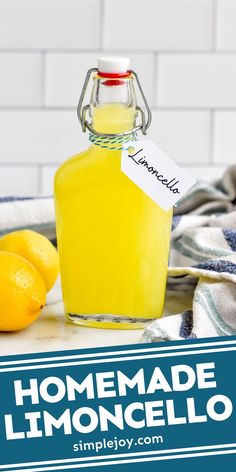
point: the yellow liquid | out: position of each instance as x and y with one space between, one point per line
113 239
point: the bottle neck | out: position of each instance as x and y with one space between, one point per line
113 105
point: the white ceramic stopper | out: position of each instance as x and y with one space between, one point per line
113 64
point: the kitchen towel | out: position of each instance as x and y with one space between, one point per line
202 256
36 213
202 264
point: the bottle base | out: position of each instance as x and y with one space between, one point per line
108 321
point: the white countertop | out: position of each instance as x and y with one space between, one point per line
51 332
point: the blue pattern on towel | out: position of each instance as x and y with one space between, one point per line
16 199
186 326
217 265
230 236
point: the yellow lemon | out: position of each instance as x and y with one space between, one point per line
35 248
22 292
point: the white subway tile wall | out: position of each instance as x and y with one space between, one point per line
183 135
226 32
53 24
225 137
46 179
158 24
19 178
197 81
39 136
183 50
20 79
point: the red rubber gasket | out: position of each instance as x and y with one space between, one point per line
113 75
111 82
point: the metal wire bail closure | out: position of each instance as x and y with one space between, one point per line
82 110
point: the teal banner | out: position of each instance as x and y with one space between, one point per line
121 408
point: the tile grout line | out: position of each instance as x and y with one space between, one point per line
214 26
155 80
213 116
43 165
29 108
128 50
40 178
212 136
30 164
102 25
43 78
59 108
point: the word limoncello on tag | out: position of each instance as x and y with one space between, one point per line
113 238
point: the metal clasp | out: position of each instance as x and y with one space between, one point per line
146 118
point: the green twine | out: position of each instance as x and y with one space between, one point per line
114 143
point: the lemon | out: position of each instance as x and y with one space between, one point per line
35 248
22 292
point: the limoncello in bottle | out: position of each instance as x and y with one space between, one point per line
113 239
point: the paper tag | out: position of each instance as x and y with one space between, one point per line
155 173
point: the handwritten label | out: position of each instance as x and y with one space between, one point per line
155 173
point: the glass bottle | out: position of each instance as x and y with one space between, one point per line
113 239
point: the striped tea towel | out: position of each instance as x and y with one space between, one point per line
202 259
202 264
36 213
